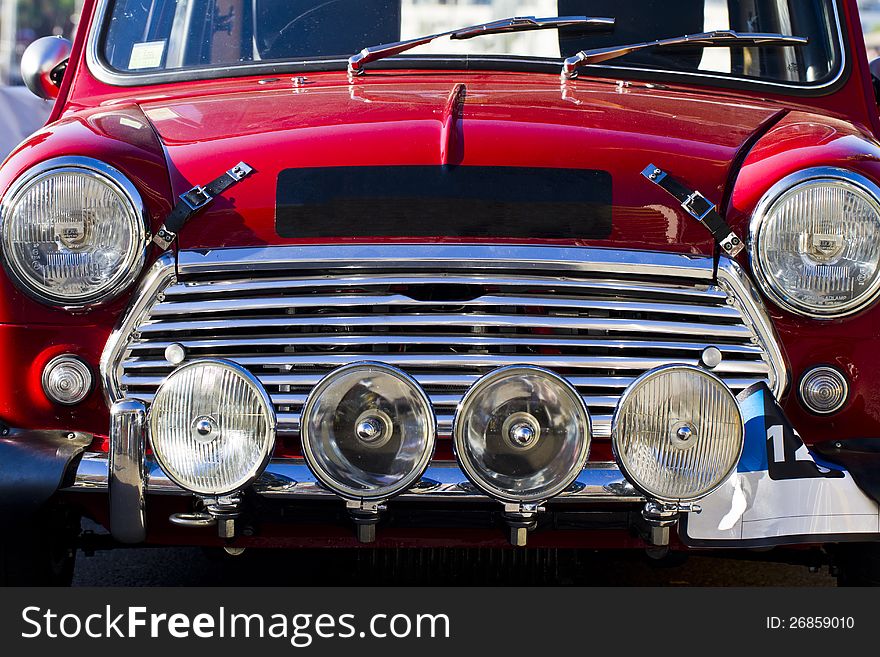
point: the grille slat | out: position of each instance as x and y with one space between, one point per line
288 423
419 320
284 304
416 339
462 382
225 289
291 320
456 361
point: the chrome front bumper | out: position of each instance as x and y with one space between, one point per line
291 479
130 478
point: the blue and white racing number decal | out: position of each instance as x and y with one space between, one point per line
781 491
785 454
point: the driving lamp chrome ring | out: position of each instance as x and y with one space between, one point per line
766 206
521 433
371 430
682 435
206 427
129 269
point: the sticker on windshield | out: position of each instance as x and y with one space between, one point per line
146 55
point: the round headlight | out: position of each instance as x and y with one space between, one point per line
368 431
212 427
815 243
522 434
73 232
677 433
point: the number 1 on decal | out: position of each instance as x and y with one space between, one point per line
777 436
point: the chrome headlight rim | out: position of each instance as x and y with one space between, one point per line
271 420
621 463
832 175
347 492
458 446
134 263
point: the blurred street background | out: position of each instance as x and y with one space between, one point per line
22 21
871 25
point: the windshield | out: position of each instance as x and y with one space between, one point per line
156 36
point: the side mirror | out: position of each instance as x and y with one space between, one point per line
875 78
43 64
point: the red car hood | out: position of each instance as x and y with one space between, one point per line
504 120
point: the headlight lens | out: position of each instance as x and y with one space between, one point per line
815 243
677 433
522 434
73 232
212 427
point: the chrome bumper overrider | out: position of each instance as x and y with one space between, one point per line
291 479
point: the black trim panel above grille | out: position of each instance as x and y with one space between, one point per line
444 201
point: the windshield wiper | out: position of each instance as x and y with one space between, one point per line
718 38
357 62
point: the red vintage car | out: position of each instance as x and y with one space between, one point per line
417 274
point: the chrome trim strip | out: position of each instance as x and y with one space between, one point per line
317 282
469 340
466 320
161 274
528 259
472 360
731 277
292 479
202 307
431 379
111 77
830 174
126 480
288 423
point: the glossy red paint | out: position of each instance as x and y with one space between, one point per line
732 145
511 120
32 333
797 142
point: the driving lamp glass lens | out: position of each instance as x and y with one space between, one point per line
72 236
824 390
817 245
212 427
368 431
677 433
522 434
67 380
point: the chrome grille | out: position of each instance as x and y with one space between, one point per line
446 315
